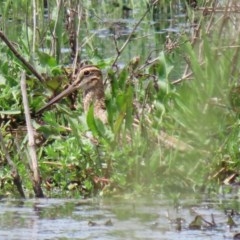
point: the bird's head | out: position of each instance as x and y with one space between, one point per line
88 77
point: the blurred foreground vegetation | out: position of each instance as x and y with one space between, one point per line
172 96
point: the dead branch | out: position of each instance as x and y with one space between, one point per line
31 143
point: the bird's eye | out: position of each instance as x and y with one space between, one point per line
86 73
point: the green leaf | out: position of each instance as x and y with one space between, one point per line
161 67
46 59
118 123
129 107
125 106
2 80
122 79
91 121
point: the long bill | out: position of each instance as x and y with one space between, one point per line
61 95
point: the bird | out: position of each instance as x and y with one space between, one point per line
88 78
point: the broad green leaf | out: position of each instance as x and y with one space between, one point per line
118 123
46 59
91 121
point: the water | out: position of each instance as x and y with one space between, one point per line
115 219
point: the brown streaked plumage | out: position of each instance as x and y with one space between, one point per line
89 79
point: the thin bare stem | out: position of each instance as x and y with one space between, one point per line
31 143
119 51
184 77
116 45
34 26
54 40
77 34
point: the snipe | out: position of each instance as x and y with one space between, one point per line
89 79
